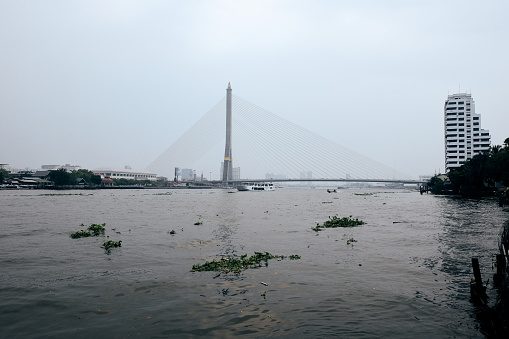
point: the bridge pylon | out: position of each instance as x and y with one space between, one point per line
228 161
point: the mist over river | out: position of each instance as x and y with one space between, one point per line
406 276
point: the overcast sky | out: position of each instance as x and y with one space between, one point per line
114 83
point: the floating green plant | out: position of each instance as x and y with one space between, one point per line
338 222
198 223
294 257
172 232
363 193
350 241
235 265
165 193
93 230
61 194
111 244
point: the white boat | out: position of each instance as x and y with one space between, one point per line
256 186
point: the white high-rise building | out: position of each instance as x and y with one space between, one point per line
464 137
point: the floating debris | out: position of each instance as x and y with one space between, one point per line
335 222
172 232
364 193
235 265
93 230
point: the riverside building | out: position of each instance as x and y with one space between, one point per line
464 137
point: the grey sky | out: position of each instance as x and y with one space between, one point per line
114 83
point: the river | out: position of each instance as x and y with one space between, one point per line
406 275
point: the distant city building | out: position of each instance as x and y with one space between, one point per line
50 167
306 175
235 172
275 176
69 168
187 174
463 135
125 174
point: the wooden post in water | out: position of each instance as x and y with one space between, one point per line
501 264
477 290
477 274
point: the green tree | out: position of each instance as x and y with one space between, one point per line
3 175
61 177
95 179
437 185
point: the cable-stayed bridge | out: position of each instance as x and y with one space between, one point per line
266 146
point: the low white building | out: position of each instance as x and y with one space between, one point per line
114 173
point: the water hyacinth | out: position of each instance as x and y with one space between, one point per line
93 230
338 222
110 243
235 265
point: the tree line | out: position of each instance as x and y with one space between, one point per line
61 177
483 172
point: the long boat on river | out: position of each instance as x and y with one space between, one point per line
256 186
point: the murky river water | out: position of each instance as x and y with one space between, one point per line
406 276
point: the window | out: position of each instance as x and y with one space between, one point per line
485 134
461 103
451 103
461 108
476 129
450 108
476 118
462 135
